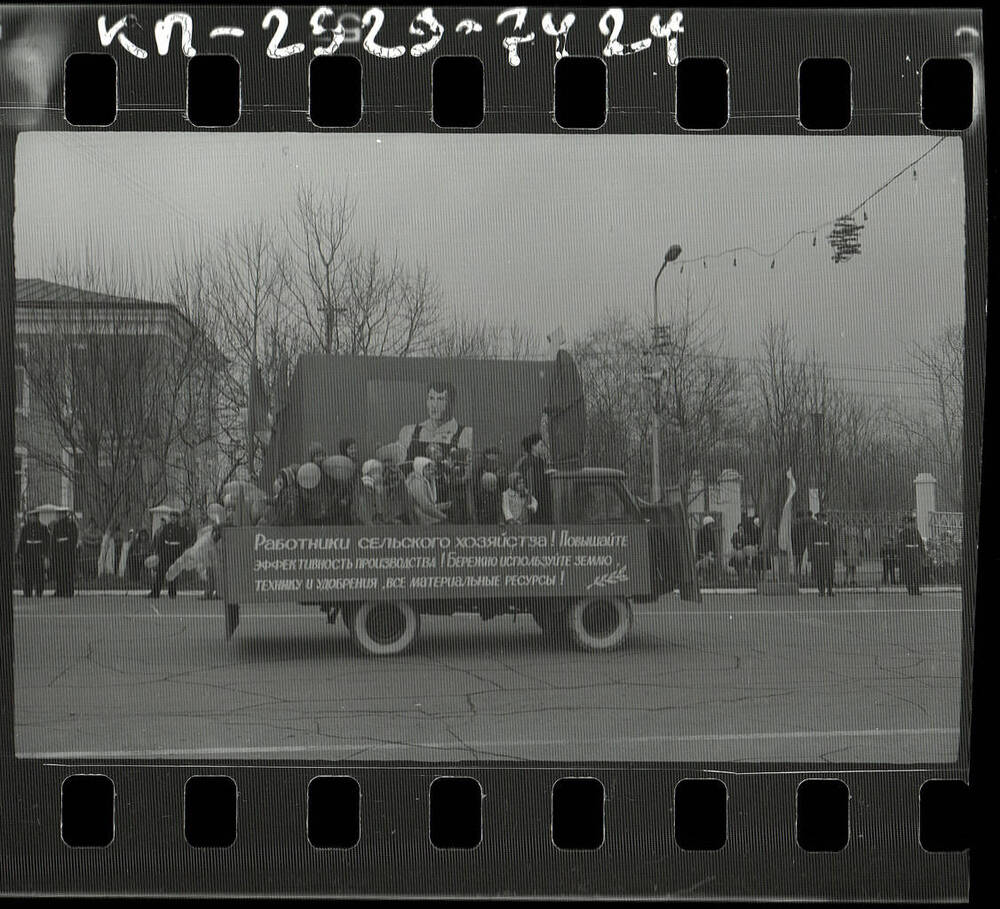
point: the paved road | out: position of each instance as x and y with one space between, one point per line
863 677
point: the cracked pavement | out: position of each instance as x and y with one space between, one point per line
866 677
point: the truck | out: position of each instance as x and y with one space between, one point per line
600 550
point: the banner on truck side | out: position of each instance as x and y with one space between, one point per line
269 564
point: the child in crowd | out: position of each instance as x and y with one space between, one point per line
518 503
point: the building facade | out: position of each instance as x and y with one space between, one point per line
115 404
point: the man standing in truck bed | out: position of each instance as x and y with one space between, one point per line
440 427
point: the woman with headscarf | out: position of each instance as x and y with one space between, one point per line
368 506
423 492
518 503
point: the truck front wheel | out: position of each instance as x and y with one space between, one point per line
384 628
599 623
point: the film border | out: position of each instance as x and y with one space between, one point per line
762 64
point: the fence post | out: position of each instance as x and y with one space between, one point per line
926 487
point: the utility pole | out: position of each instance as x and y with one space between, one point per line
661 339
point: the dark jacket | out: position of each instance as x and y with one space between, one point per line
821 548
33 544
706 541
64 539
488 507
533 469
170 543
911 550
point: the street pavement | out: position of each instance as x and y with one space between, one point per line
740 677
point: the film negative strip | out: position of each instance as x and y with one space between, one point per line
491 451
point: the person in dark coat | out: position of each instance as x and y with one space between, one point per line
912 553
170 543
799 541
137 554
65 537
489 508
33 548
821 555
532 466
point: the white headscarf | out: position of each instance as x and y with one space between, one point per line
370 467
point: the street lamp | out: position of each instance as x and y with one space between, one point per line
660 339
817 421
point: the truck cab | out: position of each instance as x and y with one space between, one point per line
600 495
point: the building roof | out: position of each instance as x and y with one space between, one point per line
38 294
35 291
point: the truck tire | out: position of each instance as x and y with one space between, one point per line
599 623
384 628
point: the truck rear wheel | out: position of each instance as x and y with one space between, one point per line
384 628
599 623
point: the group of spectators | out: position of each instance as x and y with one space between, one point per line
64 554
816 547
445 485
749 556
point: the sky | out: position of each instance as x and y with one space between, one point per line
550 230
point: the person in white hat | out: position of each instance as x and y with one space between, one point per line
705 545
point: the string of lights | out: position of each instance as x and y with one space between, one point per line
845 232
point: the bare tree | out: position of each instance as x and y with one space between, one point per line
352 297
933 428
482 340
124 390
239 283
698 394
618 400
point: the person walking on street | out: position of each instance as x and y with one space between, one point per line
821 555
912 550
33 549
63 555
170 543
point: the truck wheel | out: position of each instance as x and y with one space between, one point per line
384 628
599 623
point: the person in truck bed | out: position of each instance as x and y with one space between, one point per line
423 493
488 506
518 504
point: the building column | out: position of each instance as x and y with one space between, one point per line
730 504
926 488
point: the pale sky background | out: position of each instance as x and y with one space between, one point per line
551 229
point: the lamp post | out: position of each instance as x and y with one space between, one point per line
661 337
817 420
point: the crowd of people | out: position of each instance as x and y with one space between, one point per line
816 547
444 485
63 554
